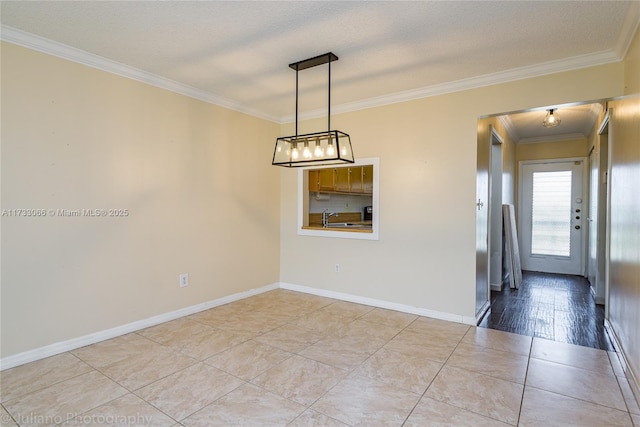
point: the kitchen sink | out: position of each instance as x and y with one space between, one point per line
348 225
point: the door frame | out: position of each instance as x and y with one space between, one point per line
585 192
494 216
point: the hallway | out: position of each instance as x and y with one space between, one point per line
551 306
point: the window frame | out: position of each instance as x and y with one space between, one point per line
303 203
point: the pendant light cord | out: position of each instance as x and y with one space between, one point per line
296 102
329 107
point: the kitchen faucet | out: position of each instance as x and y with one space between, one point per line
325 217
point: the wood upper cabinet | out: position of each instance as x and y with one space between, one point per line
342 179
355 180
367 179
314 180
326 179
346 179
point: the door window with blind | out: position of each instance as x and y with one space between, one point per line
551 215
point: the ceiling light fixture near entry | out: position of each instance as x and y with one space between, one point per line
318 148
551 120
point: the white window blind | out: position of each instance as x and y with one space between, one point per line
551 214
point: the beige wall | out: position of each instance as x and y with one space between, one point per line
552 150
624 269
426 253
75 137
632 66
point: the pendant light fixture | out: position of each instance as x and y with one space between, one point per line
551 120
318 148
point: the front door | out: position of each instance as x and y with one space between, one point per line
552 213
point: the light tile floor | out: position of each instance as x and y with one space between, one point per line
290 359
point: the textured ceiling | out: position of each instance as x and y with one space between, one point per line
237 52
576 122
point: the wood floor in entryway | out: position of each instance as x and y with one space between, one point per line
552 306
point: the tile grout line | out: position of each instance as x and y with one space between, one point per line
434 378
54 383
524 384
351 371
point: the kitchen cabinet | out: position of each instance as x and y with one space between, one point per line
342 183
355 180
326 179
314 180
347 179
367 179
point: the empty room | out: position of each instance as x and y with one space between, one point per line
320 213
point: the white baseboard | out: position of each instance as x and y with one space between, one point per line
482 312
496 287
632 377
380 303
74 343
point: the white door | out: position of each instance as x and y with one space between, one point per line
552 213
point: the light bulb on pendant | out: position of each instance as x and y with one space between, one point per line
294 153
306 153
551 120
331 151
318 152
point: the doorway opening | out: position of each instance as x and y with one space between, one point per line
548 175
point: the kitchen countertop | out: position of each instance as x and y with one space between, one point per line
347 229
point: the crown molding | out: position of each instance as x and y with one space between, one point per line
514 74
60 50
552 138
510 128
63 51
628 29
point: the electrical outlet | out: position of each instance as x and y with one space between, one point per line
337 268
184 280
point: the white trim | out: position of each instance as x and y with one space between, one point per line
482 312
628 30
551 138
495 287
634 381
72 344
380 303
514 74
604 123
607 240
506 121
584 161
375 197
495 134
60 50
